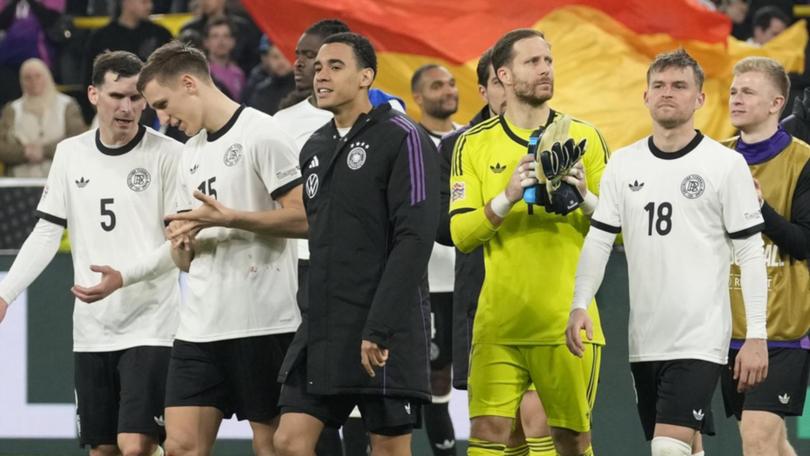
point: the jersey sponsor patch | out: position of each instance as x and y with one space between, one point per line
692 186
457 192
138 179
357 155
281 175
311 186
232 155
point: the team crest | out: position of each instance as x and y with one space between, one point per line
692 186
232 155
457 192
357 155
139 179
311 186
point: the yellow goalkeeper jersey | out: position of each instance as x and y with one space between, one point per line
531 258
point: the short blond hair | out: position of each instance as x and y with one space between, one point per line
772 69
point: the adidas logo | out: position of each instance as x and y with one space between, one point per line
159 420
408 408
784 398
497 168
194 168
635 186
446 445
82 182
698 414
314 163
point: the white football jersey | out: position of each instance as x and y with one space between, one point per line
113 200
442 264
240 284
299 121
678 213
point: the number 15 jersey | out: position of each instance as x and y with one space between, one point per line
678 213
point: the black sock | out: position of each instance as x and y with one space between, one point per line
439 429
355 438
329 443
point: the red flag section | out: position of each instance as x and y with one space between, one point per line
601 49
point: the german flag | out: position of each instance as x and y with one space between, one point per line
601 48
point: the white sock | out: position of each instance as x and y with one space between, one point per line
667 446
158 451
701 453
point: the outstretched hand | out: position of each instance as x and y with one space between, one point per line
211 213
111 280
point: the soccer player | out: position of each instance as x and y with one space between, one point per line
683 202
781 166
112 185
434 91
529 255
240 312
372 204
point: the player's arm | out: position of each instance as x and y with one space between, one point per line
415 216
606 223
474 221
743 223
36 252
792 236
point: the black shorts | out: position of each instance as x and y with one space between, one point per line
677 392
783 391
120 392
237 376
382 415
441 334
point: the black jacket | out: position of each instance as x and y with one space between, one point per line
372 202
469 267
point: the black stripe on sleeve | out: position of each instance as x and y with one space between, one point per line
460 211
742 234
51 218
281 191
605 227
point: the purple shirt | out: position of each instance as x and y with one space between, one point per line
230 76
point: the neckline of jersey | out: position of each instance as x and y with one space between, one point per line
228 125
514 137
115 151
677 154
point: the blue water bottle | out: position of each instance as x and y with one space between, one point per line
530 193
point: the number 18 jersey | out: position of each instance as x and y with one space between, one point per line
678 213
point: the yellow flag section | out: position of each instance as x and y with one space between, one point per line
600 69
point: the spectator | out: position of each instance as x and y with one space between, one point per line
769 21
130 30
22 36
245 52
31 126
270 81
219 42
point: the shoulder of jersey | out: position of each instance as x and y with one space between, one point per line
630 150
481 128
152 134
723 149
801 147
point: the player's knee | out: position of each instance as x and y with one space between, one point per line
569 442
136 448
667 446
287 443
491 428
758 441
179 447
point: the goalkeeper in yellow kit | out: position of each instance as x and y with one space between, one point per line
530 255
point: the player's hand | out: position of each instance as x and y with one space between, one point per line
371 356
111 280
181 234
751 365
211 213
523 176
577 321
576 177
759 192
3 309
